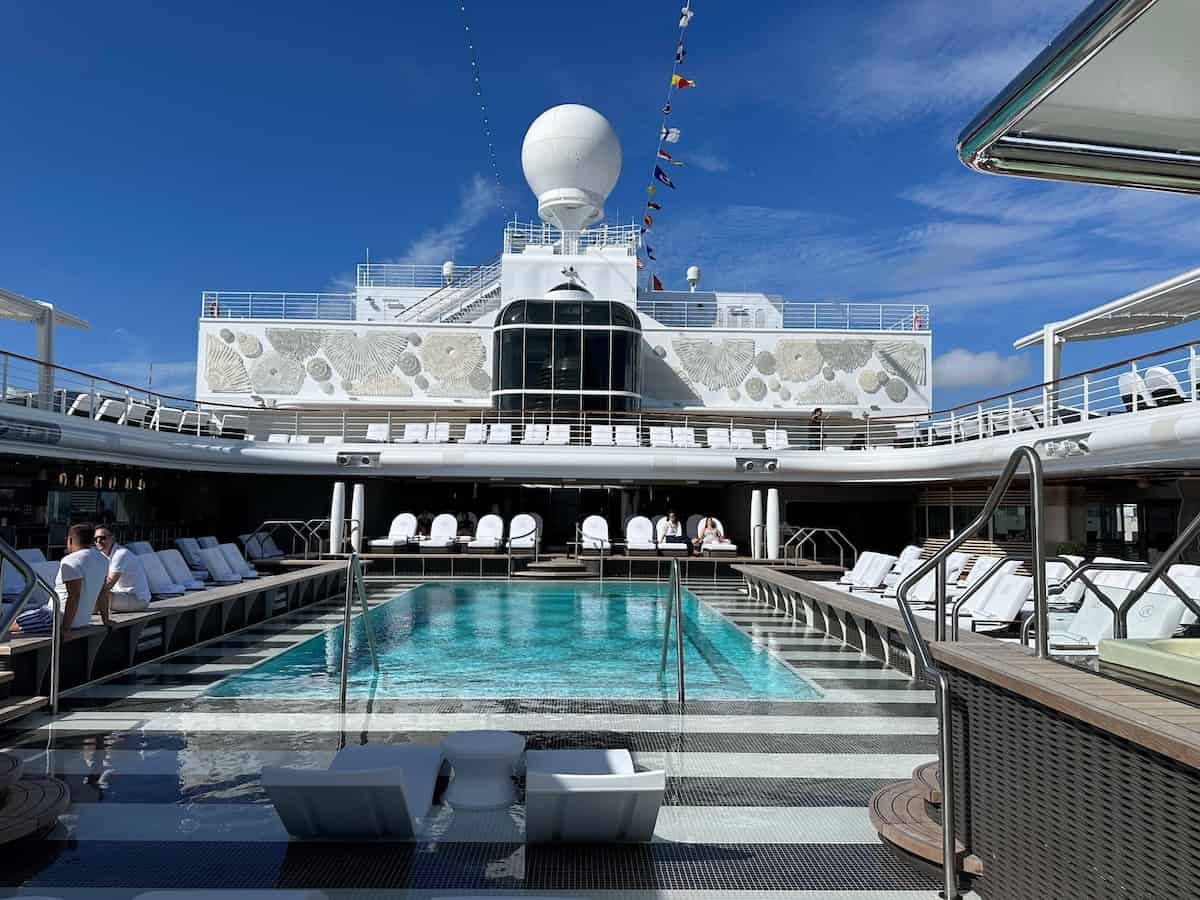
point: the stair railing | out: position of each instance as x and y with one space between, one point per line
355 589
9 556
1080 573
924 664
534 533
1158 572
675 612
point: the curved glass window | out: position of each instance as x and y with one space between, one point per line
567 355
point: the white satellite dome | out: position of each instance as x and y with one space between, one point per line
572 159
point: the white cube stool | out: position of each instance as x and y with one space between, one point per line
483 764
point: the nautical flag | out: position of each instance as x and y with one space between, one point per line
649 220
649 252
666 109
651 190
670 135
663 154
661 176
680 82
685 16
653 205
680 53
655 284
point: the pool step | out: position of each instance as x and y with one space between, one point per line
28 805
900 814
550 569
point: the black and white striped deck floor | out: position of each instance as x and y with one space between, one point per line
764 799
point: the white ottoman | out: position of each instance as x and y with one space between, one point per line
483 764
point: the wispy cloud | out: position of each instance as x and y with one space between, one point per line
962 368
138 366
707 161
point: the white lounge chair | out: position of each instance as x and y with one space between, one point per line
590 796
110 410
519 532
437 433
558 435
279 439
402 532
535 434
712 546
161 584
602 436
683 436
639 537
414 433
626 436
718 438
379 433
500 433
333 440
233 426
166 418
997 605
81 406
860 567
441 534
301 439
237 562
1094 620
135 414
660 436
1134 392
743 439
1163 386
669 548
177 570
489 535
140 548
776 439
208 541
368 791
593 535
190 550
475 433
980 569
218 567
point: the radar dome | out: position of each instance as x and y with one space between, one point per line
571 158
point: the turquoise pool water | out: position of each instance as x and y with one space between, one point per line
496 639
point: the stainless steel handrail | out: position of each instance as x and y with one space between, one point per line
920 647
9 554
1158 572
354 585
1080 573
675 611
536 541
974 589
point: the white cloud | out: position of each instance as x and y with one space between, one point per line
962 368
173 378
707 161
476 201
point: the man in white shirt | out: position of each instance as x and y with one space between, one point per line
81 575
126 588
669 526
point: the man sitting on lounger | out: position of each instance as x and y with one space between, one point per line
125 588
670 530
81 575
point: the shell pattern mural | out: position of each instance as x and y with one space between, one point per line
340 363
715 364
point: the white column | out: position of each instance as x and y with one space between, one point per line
337 515
357 510
773 523
45 354
756 520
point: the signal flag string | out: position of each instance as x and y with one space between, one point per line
666 135
483 112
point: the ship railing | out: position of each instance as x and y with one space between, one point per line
406 275
769 313
276 305
519 235
451 299
1070 406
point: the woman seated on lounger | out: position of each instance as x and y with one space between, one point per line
709 532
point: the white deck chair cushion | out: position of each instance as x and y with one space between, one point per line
475 433
237 562
208 542
590 796
626 436
178 571
594 533
140 548
214 560
559 435
161 584
639 534
489 533
403 529
442 532
191 553
518 531
860 567
500 433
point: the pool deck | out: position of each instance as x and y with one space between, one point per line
764 798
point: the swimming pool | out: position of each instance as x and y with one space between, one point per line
498 640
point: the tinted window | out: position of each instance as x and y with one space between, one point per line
566 404
567 313
623 315
537 358
595 313
510 358
566 360
540 312
623 373
595 360
514 312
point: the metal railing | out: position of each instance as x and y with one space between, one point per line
924 663
452 299
9 612
534 533
277 305
759 313
406 275
1157 573
355 589
808 534
519 235
674 611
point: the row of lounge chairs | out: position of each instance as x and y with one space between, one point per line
127 411
557 435
1001 597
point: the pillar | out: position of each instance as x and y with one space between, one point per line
45 354
773 523
337 516
357 511
756 521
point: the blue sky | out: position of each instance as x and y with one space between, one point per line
154 150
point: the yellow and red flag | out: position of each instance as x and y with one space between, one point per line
678 81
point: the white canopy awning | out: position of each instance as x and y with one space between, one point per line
1112 100
1173 302
18 308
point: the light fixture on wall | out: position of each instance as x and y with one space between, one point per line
63 479
112 482
79 480
98 482
141 485
128 483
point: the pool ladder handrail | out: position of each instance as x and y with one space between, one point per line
536 541
9 555
674 610
355 589
923 664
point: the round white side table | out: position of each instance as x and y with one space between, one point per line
483 764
